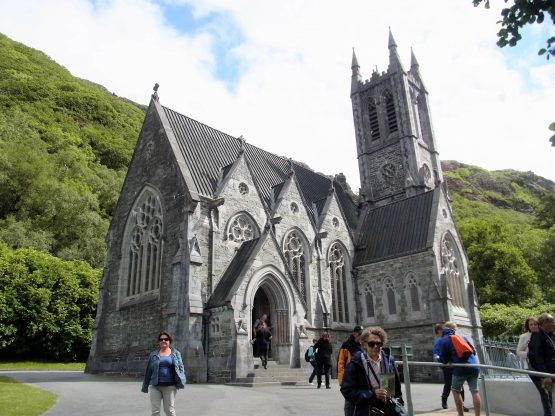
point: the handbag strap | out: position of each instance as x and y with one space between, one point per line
369 365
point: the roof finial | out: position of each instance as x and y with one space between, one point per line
291 167
155 94
241 144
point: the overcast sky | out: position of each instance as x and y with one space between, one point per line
279 73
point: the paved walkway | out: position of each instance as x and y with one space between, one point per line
85 394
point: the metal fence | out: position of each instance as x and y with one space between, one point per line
501 353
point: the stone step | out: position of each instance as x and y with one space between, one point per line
275 374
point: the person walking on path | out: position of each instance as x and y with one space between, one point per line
263 337
310 356
447 371
323 359
364 376
164 375
541 355
448 354
348 349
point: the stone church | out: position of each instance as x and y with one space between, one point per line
210 232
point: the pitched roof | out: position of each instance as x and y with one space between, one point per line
207 150
400 228
229 278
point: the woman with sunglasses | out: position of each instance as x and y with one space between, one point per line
364 377
164 375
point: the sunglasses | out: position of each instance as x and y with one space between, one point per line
373 344
163 339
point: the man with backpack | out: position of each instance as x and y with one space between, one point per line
346 353
447 371
310 357
457 349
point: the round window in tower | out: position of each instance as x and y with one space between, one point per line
335 222
294 208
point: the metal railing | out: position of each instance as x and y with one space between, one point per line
405 362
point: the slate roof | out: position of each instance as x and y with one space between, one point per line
225 285
207 150
397 229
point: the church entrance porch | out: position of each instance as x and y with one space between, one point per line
270 299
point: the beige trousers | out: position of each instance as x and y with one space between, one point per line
165 395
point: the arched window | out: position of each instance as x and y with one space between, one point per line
242 228
369 301
294 251
390 111
390 296
144 245
412 293
374 122
450 269
338 275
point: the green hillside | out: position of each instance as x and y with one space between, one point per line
64 147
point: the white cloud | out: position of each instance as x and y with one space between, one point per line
293 95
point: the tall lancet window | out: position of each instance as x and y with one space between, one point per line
451 270
374 122
296 260
390 111
390 296
413 293
145 245
369 300
338 275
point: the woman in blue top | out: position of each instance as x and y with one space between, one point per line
164 374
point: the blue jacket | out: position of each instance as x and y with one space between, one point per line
356 387
447 354
151 372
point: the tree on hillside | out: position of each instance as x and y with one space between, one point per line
520 14
47 305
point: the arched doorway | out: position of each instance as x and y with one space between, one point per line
271 299
262 306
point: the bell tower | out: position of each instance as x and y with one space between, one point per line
396 148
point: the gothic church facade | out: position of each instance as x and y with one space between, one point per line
210 232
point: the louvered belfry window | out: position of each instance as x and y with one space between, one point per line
145 246
338 283
390 111
294 253
374 122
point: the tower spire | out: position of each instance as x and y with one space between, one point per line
413 61
395 64
355 77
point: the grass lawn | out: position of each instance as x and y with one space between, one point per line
18 399
37 365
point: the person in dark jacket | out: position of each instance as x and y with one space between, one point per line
362 384
541 355
263 337
447 354
164 375
348 349
323 358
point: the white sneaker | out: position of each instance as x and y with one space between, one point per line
312 384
